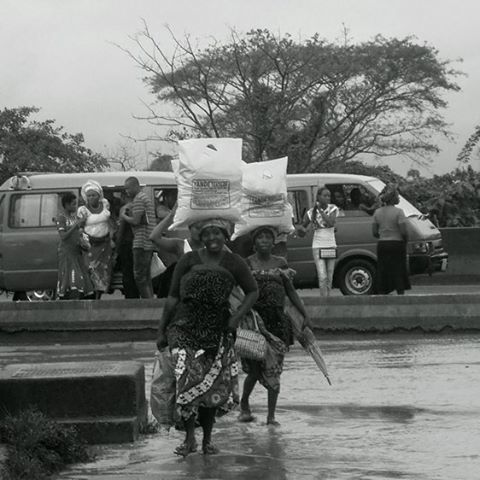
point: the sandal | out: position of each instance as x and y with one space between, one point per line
184 449
246 417
209 449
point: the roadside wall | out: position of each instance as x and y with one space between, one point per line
135 320
463 248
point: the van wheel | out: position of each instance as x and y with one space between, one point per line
357 277
41 295
34 296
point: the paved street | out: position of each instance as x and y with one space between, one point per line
401 406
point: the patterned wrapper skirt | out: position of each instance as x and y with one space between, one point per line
206 369
72 273
99 260
205 381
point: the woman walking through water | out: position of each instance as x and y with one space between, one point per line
73 278
323 217
198 327
274 280
389 226
99 228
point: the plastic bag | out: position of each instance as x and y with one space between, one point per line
162 393
209 180
157 267
264 198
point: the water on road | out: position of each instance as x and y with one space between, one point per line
401 407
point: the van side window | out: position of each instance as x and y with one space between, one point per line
299 201
35 210
165 199
354 199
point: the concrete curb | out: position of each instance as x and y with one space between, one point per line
129 320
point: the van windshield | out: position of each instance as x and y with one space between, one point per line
405 205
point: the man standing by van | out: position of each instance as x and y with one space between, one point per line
142 220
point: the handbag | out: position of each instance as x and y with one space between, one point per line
157 267
250 343
328 253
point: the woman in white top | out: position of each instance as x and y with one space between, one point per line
324 246
99 229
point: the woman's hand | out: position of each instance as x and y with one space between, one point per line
233 323
162 341
81 222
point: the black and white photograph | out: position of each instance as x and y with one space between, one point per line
239 240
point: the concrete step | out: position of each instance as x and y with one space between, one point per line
86 393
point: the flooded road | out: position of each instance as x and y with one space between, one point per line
401 407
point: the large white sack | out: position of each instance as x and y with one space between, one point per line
209 180
264 198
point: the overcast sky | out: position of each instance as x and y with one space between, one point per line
59 54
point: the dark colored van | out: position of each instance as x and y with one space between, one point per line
356 263
29 208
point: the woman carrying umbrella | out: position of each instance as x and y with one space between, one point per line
274 283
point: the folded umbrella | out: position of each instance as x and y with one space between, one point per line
306 338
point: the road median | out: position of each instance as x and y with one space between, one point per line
136 320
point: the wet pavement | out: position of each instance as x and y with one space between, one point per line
401 407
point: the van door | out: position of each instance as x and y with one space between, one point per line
356 245
30 240
354 222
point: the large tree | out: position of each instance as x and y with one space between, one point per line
27 145
312 100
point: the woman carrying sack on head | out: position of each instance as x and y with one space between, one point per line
274 283
323 217
198 326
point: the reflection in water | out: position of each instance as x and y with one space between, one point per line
403 407
251 453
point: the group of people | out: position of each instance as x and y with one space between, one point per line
199 324
91 241
388 226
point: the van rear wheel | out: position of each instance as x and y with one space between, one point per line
357 277
34 296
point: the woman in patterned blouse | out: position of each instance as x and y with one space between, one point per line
274 280
198 327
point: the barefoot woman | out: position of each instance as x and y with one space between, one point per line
197 325
274 282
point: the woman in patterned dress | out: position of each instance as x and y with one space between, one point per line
73 278
198 327
99 228
274 283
